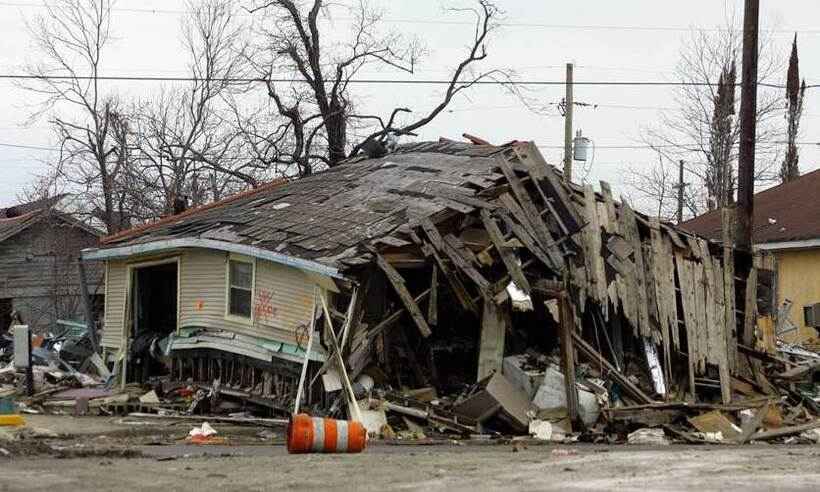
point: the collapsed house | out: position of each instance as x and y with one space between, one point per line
443 271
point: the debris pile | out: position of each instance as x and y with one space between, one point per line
530 305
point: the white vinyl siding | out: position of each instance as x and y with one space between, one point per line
282 296
115 283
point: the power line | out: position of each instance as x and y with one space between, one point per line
140 78
540 25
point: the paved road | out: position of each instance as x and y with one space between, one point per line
472 468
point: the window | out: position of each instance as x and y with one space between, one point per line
240 288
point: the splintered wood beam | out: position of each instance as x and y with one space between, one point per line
593 356
567 327
452 250
458 287
432 306
530 212
506 253
527 240
393 317
397 282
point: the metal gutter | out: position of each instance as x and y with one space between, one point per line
193 242
803 244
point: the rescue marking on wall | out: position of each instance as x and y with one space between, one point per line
263 307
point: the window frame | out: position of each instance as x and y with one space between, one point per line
228 314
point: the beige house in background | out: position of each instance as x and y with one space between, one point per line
787 230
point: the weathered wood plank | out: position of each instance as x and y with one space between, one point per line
397 282
506 253
592 251
494 323
458 287
636 280
684 269
530 211
432 306
552 254
451 249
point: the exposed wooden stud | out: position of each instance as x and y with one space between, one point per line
397 282
432 305
507 256
494 323
566 324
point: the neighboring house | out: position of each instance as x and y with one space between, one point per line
787 225
39 279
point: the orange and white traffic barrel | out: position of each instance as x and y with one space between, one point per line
308 434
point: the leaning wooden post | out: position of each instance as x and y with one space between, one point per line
89 312
307 355
567 325
339 360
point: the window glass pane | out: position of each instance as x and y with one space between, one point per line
240 302
241 274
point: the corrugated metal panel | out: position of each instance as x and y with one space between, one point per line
282 298
115 283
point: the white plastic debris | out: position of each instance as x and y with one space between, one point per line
520 300
709 436
541 429
204 430
812 435
647 435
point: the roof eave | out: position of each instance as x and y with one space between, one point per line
119 252
790 245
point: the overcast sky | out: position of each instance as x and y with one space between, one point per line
624 40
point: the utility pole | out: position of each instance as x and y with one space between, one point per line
680 186
568 126
748 110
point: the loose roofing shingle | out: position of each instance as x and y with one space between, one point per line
793 207
328 217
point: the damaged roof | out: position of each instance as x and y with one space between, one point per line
18 218
787 212
330 216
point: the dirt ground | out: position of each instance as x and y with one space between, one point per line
256 460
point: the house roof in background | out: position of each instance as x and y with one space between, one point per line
787 212
17 218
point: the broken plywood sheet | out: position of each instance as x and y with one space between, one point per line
635 301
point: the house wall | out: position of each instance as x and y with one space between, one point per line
282 300
798 279
38 272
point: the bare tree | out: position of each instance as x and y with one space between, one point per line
70 39
185 143
795 93
702 129
315 115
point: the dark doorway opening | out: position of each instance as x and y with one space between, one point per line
154 318
5 314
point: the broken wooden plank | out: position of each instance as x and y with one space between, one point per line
432 306
393 317
594 357
785 431
567 326
635 301
592 251
494 324
530 211
397 282
506 253
450 247
458 287
521 229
